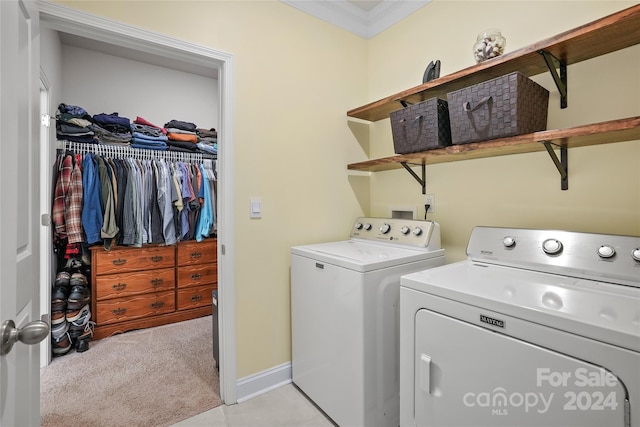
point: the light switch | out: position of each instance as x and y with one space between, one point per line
255 210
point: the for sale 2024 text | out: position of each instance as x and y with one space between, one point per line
588 390
586 379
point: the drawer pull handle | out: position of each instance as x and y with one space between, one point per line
196 298
119 261
157 281
119 286
156 258
196 254
196 276
119 311
157 304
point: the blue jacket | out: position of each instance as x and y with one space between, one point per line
92 208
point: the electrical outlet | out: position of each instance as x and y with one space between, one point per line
430 199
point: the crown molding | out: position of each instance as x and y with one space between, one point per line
351 18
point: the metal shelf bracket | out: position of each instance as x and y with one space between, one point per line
422 181
561 79
561 164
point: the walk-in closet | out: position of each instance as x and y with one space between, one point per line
105 78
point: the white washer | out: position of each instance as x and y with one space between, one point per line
536 327
345 317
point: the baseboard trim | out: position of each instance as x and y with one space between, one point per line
262 382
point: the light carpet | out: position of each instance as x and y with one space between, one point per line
150 377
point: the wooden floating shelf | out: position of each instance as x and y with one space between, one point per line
609 34
581 136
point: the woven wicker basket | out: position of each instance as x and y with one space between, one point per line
505 106
421 127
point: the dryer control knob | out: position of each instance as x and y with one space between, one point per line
606 251
359 226
635 254
385 228
509 242
405 230
367 227
552 246
417 231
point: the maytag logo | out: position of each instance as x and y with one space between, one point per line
492 321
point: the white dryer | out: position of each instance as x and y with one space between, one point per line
345 317
535 328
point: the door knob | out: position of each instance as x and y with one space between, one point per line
32 333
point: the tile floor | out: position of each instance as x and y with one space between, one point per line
285 406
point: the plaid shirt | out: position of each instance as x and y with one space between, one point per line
60 195
67 203
73 206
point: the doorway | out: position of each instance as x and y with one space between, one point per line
165 51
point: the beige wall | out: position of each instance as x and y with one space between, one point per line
518 190
296 77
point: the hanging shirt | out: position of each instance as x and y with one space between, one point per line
128 210
154 206
62 188
205 219
92 209
165 201
74 205
109 228
187 196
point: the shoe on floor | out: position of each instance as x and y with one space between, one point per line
59 329
58 299
78 314
61 346
78 298
82 346
78 279
58 317
63 279
81 325
87 333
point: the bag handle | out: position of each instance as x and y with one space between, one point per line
467 105
404 129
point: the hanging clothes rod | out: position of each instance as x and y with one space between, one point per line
118 151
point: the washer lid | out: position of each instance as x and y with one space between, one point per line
360 256
602 311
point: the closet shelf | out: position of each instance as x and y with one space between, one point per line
605 35
128 151
620 130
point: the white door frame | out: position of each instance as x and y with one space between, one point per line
45 208
79 23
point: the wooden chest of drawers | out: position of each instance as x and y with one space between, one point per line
196 274
134 288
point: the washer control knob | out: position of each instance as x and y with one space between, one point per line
359 226
509 242
606 251
552 246
385 228
635 254
417 231
405 230
367 227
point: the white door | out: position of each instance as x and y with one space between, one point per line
19 208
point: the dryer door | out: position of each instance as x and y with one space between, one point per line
466 375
